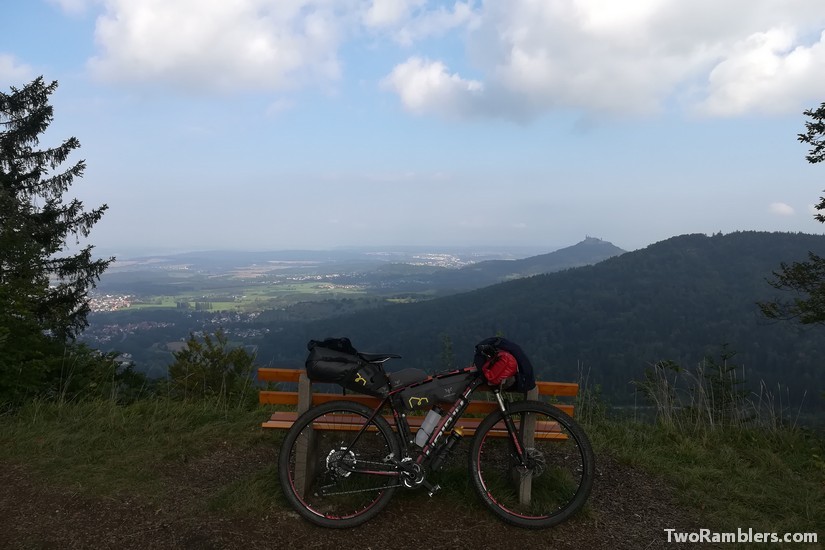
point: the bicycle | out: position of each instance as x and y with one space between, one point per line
341 462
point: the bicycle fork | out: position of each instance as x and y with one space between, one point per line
521 453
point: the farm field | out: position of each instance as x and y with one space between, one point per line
246 297
182 289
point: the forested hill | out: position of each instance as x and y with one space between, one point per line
404 276
587 252
679 299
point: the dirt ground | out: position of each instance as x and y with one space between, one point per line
627 509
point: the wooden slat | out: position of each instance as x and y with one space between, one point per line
279 375
468 431
414 421
289 416
561 389
277 424
291 398
284 420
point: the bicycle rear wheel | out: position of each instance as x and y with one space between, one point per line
560 466
330 471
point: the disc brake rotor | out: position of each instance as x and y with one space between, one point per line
536 463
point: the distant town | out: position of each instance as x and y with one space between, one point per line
109 302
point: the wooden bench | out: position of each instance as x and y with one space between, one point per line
304 398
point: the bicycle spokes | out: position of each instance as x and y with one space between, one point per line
336 474
550 478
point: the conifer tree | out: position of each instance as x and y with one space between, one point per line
43 284
40 279
804 280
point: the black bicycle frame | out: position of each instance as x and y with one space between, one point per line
446 424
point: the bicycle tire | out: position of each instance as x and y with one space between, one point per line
558 481
316 461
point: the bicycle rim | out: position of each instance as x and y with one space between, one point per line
557 479
325 464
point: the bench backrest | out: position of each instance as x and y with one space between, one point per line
304 397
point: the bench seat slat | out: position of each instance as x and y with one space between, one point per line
468 432
291 398
284 420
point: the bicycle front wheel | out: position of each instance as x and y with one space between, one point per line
557 477
334 473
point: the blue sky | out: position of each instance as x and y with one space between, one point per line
279 124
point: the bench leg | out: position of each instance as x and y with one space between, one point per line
305 469
304 394
525 483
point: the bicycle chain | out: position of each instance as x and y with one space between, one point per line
368 462
360 490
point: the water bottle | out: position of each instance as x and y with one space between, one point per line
444 452
430 422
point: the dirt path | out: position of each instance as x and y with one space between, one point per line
627 509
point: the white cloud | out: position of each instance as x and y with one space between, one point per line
219 45
389 13
720 58
526 56
13 72
241 45
768 71
781 209
437 22
425 85
410 21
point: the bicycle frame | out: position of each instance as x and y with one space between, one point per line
430 451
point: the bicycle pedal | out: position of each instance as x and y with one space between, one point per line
431 489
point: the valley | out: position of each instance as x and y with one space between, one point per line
608 317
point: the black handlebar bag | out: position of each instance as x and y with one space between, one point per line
336 361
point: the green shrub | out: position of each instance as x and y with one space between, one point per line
211 369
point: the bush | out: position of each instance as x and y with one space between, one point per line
39 366
211 369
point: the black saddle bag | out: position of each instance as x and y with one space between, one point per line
336 361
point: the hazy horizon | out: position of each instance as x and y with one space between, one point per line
514 249
519 251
